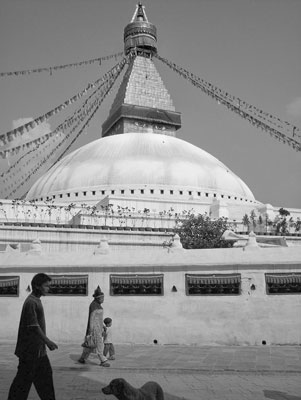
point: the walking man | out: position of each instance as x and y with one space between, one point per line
34 366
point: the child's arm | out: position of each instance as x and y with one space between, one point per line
104 331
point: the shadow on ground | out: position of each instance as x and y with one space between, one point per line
275 395
92 360
91 387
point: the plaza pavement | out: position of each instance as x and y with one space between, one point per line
184 372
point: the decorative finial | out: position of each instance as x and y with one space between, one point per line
140 13
140 35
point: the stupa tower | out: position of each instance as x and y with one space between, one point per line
142 103
139 163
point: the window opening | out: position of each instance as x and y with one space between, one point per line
9 286
136 285
286 283
212 285
68 285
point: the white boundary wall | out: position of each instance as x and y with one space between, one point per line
246 319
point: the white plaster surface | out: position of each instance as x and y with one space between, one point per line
146 159
246 319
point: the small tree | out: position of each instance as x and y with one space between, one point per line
145 215
133 216
68 211
260 223
282 226
3 211
268 222
170 215
253 219
15 205
35 209
291 224
200 232
246 221
94 214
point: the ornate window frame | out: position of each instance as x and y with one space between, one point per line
136 285
283 283
9 286
68 285
213 284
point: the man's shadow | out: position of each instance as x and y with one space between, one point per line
276 395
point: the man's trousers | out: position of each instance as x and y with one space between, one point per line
36 371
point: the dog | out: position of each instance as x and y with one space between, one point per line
121 389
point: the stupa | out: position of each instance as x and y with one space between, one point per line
139 162
231 296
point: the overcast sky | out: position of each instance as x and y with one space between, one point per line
249 48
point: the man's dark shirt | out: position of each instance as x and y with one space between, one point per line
29 343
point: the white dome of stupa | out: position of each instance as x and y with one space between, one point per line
143 162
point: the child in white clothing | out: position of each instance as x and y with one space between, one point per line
108 345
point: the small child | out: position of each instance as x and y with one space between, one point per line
108 345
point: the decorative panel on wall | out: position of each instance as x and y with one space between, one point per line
288 283
69 285
9 285
136 285
213 285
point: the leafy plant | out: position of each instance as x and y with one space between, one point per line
282 226
200 232
246 221
253 219
2 209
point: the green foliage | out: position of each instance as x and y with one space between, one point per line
200 232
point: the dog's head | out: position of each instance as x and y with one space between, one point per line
115 387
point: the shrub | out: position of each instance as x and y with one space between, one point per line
200 232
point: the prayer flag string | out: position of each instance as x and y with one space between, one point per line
61 67
281 130
57 132
98 104
10 136
89 113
